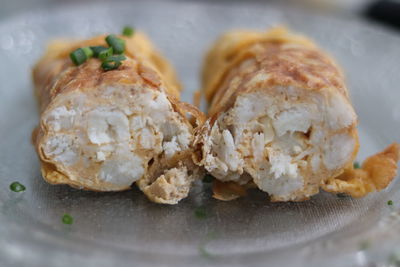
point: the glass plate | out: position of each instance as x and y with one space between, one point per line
124 229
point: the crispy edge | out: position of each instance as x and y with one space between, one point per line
376 173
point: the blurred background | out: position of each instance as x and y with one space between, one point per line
386 12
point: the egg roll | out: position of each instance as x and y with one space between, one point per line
281 119
106 130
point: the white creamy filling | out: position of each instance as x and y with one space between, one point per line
338 150
257 144
105 126
122 169
171 147
339 113
281 164
282 186
61 118
270 141
227 151
113 137
62 148
295 119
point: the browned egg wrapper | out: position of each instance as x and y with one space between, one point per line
105 130
280 119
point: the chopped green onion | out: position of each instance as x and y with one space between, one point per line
88 51
208 179
78 56
110 65
116 43
103 55
356 165
200 213
97 49
112 62
128 31
390 202
115 58
67 219
17 187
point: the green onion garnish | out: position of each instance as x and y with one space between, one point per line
112 62
208 179
88 51
78 56
103 55
97 49
390 202
116 58
356 165
67 219
128 31
110 65
17 187
116 43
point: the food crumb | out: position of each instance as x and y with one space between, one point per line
17 187
67 219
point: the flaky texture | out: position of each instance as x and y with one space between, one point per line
280 118
105 130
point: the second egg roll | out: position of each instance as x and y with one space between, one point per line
280 119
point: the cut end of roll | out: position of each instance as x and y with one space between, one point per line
281 119
104 139
104 130
282 139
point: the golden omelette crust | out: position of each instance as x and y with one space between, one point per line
290 61
303 65
55 75
55 72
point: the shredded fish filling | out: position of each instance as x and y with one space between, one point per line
110 138
281 143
